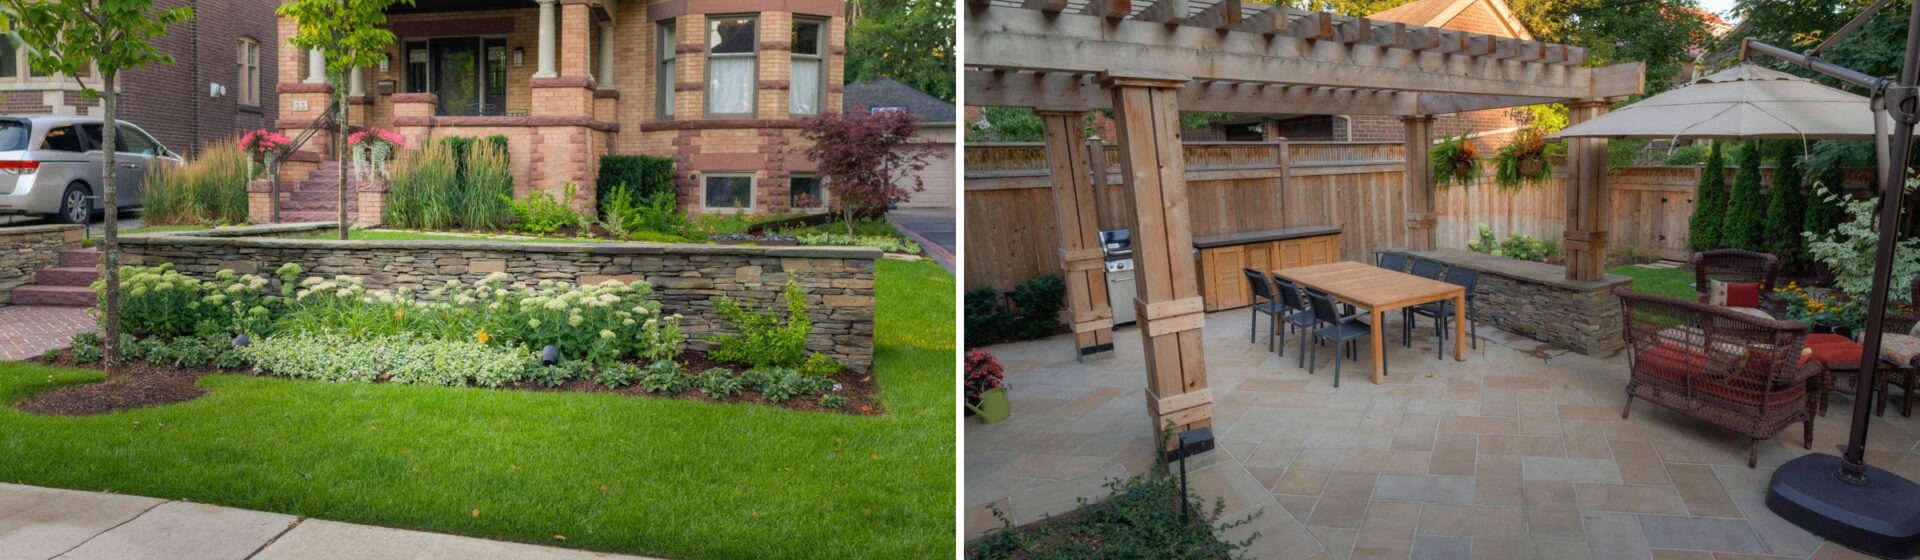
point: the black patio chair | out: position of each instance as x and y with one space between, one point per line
1264 303
1396 262
1428 269
1296 315
1442 311
1343 332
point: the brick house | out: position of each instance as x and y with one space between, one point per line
721 86
218 87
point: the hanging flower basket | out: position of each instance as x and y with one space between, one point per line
264 146
1524 160
372 148
1454 162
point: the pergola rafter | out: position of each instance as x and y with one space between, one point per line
1149 60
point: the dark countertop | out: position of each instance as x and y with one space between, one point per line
1262 236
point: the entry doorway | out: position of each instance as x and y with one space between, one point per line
468 74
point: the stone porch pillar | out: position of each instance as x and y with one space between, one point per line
1420 220
1588 205
1078 214
549 38
316 67
1169 309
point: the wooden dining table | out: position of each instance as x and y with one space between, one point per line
1379 290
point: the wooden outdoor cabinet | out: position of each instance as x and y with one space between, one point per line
1222 258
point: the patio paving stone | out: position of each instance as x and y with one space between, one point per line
1518 452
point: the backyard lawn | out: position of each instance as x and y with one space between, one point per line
660 477
1670 282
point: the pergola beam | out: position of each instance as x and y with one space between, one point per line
1223 15
1032 40
1079 92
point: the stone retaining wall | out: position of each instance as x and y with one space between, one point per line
26 250
1538 301
838 280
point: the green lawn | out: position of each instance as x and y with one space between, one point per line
1668 282
669 478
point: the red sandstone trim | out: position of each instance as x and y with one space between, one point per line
837 51
606 94
836 88
303 88
360 100
773 84
415 98
689 48
776 46
563 82
579 120
720 124
689 86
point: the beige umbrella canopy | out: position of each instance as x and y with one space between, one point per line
1744 102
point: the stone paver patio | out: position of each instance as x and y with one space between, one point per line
1518 452
27 331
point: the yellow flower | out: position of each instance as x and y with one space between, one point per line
398 314
482 335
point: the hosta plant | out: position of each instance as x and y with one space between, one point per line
404 358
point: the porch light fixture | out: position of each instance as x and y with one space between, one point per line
519 57
385 66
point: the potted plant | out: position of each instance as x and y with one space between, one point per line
371 150
1454 161
986 392
1831 313
1523 160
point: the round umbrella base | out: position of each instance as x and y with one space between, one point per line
1881 518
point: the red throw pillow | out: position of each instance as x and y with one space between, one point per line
1743 295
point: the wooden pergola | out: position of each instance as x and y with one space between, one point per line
1150 61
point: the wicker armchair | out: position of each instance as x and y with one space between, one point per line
1736 265
1906 375
1733 370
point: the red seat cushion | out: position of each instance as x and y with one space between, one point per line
1743 295
1676 364
1835 351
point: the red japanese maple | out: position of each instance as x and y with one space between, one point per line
869 159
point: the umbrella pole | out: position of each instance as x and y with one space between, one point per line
1843 499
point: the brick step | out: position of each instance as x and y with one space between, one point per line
317 195
80 257
315 206
57 296
82 276
311 216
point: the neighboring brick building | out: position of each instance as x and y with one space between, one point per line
226 48
721 86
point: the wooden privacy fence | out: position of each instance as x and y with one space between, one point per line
1358 187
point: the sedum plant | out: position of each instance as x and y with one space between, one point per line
1849 249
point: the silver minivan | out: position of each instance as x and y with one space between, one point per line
50 165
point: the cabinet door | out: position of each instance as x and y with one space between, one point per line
1318 250
1263 257
1229 286
1289 254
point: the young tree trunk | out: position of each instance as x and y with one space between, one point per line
111 202
340 155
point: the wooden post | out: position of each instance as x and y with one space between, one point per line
1587 200
1080 254
1169 305
1420 220
1096 150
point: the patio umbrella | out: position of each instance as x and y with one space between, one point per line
1746 102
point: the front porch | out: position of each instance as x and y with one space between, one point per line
1518 452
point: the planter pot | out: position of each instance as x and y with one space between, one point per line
1531 167
993 406
1462 168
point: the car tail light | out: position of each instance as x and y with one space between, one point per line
26 166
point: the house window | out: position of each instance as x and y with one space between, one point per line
9 59
729 192
806 191
809 65
417 61
733 48
664 79
248 83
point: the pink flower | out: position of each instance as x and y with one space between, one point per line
263 141
377 135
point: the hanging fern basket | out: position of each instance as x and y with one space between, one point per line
1523 160
1454 162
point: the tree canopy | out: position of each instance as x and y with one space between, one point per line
910 41
1665 34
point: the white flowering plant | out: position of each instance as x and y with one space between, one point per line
1849 250
159 301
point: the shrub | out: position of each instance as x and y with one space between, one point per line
1142 517
185 351
541 213
779 384
1743 227
718 383
987 318
405 359
555 375
619 374
1037 304
1709 204
211 189
833 401
86 348
1786 204
1519 246
820 365
1686 155
645 177
764 339
870 160
1824 213
983 373
665 378
1849 249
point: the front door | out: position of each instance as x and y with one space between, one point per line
456 73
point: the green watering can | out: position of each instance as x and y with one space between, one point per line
993 405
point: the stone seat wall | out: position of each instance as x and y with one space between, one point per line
1538 301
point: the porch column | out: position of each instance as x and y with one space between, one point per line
1587 198
1080 254
1420 221
1147 111
576 52
549 50
316 67
357 82
605 76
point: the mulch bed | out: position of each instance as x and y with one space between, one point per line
147 384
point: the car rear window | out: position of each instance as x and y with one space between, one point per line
64 139
13 134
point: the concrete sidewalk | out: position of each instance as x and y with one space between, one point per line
45 524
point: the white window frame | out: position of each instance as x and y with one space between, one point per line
706 38
753 192
821 182
248 82
820 43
